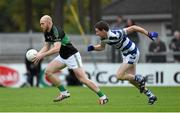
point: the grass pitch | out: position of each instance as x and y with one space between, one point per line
121 99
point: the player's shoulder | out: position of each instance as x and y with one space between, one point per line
118 30
115 32
55 29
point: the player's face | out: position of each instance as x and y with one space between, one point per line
44 25
100 33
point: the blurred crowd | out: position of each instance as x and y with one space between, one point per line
157 49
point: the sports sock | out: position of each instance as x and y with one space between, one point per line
103 97
148 93
100 93
61 88
138 78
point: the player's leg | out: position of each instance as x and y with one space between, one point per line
137 80
53 67
151 97
127 71
133 72
122 72
75 63
129 63
82 77
123 75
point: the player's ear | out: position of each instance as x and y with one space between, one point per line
48 22
104 31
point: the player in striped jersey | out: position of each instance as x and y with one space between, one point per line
130 53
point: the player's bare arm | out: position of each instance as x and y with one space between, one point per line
99 47
55 49
46 52
45 48
134 28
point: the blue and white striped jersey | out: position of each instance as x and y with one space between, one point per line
119 39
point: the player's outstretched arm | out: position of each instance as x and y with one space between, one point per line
98 47
134 28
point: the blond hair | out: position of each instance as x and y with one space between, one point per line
46 18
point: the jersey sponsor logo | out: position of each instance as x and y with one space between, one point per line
49 37
8 76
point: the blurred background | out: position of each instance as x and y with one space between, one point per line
20 29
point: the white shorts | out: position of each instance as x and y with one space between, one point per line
72 62
131 58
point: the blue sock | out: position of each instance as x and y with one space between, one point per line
148 93
138 78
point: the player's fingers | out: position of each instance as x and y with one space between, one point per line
34 59
36 62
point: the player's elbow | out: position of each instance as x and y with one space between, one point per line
133 28
56 50
100 49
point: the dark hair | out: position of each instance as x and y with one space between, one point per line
132 21
102 25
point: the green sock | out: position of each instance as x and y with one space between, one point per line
100 93
61 88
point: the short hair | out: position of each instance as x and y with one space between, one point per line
46 18
102 25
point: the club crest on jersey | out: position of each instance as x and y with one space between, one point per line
49 37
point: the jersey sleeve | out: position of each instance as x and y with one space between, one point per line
124 31
56 34
103 42
113 35
59 34
46 40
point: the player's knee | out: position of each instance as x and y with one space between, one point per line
83 80
48 73
120 76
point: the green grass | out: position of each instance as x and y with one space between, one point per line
122 99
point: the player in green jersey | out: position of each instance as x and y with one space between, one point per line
56 41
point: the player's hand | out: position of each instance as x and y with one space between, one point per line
90 48
38 57
153 35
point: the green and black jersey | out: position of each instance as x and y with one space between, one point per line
58 35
